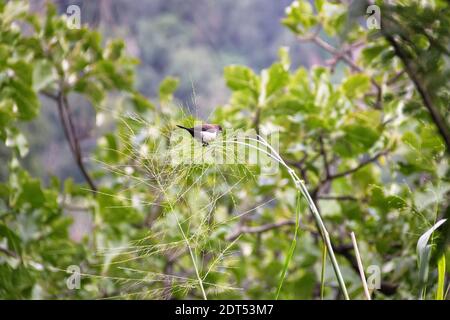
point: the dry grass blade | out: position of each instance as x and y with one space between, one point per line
360 267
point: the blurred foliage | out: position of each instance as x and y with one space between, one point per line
365 145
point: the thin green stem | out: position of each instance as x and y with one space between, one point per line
315 212
191 253
322 274
292 247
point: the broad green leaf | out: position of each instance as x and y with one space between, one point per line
114 49
356 140
430 139
333 17
30 193
288 104
277 79
319 5
16 139
365 136
141 103
24 97
355 85
43 75
411 139
23 72
242 99
241 78
6 112
93 91
108 73
370 53
300 17
14 242
167 88
14 10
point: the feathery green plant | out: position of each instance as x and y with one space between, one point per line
299 184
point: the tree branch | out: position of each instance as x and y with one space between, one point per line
324 157
339 55
358 167
70 134
338 198
259 229
426 98
8 252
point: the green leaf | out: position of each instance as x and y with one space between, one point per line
319 5
167 87
283 55
430 139
369 54
114 49
92 90
441 278
288 104
31 193
14 242
411 139
355 85
333 17
141 103
6 112
300 17
16 139
365 136
108 73
356 140
43 75
277 79
423 255
241 78
24 97
23 72
14 10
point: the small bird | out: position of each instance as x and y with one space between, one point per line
204 133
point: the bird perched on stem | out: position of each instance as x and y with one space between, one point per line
204 133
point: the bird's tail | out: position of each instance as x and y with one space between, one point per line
190 130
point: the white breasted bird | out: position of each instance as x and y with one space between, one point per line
204 133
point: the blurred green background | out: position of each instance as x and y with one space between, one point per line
87 131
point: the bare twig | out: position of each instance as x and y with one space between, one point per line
362 164
324 157
343 55
359 166
70 134
259 229
338 198
8 252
